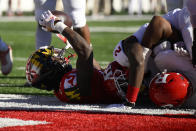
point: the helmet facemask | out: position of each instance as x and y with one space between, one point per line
121 83
45 69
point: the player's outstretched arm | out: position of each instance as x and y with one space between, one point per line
84 62
51 23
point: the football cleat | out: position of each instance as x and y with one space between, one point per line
169 89
6 60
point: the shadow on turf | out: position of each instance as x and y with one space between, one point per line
12 77
26 85
13 84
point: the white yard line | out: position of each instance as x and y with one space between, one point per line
8 122
102 63
30 102
89 18
129 29
20 59
114 29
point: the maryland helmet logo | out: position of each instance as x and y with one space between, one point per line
36 62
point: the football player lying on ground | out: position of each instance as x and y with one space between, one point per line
159 29
87 84
45 70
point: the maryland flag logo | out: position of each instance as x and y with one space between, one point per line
47 51
36 62
72 93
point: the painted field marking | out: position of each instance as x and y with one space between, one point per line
7 122
22 59
51 103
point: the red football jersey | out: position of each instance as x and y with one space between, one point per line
103 86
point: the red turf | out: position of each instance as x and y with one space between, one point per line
70 120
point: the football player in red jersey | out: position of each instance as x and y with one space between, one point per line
45 70
88 83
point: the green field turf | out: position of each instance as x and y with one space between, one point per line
21 36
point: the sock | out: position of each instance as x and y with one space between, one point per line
132 93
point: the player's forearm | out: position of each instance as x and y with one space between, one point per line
135 80
78 43
84 32
51 23
136 71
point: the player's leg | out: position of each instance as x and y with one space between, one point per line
5 58
9 11
134 52
43 38
76 10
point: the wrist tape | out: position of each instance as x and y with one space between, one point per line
60 26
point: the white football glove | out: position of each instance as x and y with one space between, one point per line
47 21
180 48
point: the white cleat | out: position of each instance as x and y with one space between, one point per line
6 61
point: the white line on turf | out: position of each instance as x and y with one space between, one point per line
30 102
89 18
92 29
102 63
114 29
7 122
20 59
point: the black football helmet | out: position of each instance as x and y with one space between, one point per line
45 68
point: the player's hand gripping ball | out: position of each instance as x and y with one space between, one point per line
48 20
